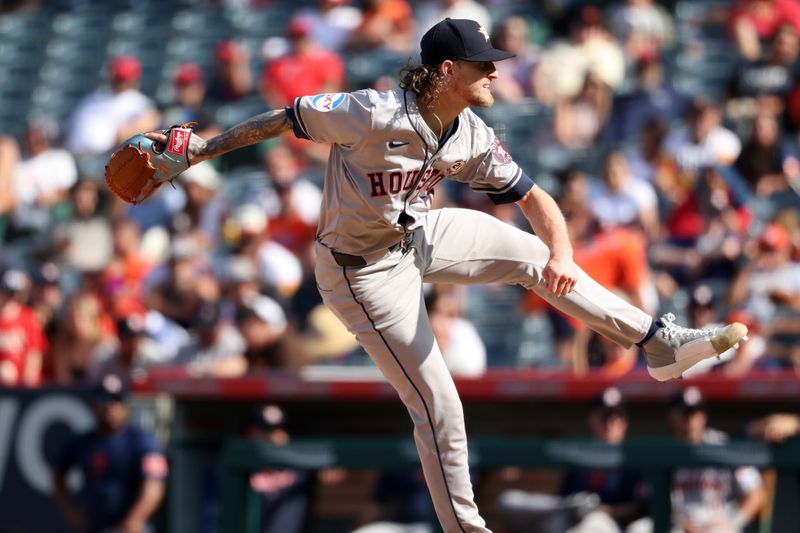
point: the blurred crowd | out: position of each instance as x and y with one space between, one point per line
667 130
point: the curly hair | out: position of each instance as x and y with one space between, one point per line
425 80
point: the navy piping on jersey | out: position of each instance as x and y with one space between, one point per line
512 193
414 385
424 145
298 127
510 185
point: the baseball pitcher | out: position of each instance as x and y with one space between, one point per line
379 239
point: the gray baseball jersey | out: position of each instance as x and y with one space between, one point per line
383 166
385 161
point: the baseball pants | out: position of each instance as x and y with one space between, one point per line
382 305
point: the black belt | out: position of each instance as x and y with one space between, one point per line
347 260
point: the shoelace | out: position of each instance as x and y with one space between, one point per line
672 330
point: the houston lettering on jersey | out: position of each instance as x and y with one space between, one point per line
384 183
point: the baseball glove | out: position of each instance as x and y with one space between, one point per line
141 165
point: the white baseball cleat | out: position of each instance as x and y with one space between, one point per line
674 349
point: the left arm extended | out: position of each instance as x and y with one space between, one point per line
750 505
147 503
547 221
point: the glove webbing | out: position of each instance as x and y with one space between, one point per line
127 163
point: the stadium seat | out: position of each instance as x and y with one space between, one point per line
201 20
230 114
536 343
92 21
260 23
364 68
137 22
494 310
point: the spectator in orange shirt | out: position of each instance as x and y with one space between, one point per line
614 257
22 343
306 69
387 24
123 278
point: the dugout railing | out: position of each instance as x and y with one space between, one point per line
657 458
514 403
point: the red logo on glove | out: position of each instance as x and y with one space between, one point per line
178 142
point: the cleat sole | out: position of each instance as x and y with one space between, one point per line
734 334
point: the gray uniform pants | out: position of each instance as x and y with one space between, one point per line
382 304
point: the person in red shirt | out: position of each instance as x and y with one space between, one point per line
306 69
752 22
293 221
22 343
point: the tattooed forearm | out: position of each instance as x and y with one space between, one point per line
251 131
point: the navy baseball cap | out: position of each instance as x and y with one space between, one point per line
267 417
110 388
459 39
689 400
610 401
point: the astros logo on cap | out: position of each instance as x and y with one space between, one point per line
483 32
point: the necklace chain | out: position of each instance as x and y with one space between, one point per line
441 126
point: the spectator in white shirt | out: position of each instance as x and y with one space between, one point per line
332 23
111 114
704 142
246 232
622 199
429 13
42 178
462 348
